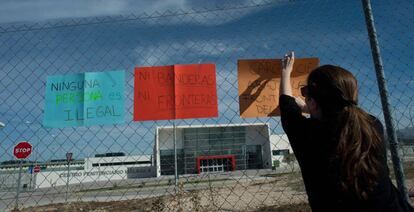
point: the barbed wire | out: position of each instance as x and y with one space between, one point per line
126 18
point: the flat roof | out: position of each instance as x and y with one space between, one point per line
46 163
214 125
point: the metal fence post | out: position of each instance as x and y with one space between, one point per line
67 183
18 185
175 154
389 122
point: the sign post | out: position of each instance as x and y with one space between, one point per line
175 155
31 175
21 151
68 159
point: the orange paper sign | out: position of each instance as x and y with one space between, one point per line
175 92
259 82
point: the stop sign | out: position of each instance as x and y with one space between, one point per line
22 150
36 169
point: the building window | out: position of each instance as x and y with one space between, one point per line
280 152
254 157
122 163
167 162
212 141
221 163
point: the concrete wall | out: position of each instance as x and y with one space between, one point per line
59 178
166 138
280 142
117 159
8 180
259 135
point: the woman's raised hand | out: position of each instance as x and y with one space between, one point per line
287 63
287 67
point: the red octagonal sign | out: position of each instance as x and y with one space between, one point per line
22 150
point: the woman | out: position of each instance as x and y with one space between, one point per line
340 148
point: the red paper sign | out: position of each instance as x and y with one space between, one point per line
22 150
175 92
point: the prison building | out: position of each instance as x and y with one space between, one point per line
212 148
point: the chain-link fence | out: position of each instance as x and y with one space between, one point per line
224 163
396 53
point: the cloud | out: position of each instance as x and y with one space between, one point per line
165 53
213 12
41 10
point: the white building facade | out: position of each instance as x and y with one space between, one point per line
214 148
200 149
97 169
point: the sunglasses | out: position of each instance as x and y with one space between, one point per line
304 91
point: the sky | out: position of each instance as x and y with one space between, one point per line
44 10
50 37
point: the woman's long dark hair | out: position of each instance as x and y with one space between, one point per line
359 148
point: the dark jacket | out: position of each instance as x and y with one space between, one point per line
314 147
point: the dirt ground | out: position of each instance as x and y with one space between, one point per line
275 193
280 193
152 204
